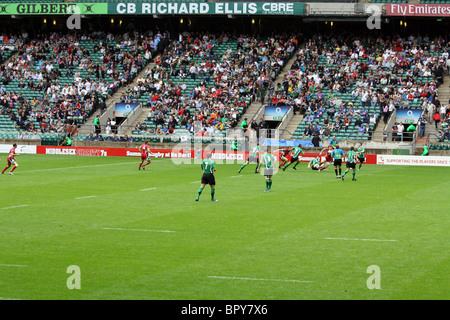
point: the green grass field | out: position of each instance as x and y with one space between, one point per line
140 234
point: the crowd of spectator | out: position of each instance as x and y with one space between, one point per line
113 138
226 81
66 82
382 72
376 72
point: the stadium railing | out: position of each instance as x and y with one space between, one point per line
44 138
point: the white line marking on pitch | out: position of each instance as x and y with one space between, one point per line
254 279
23 205
85 197
236 176
147 189
195 182
1 298
360 239
13 265
143 230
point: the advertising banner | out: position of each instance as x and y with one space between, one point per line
154 8
208 8
42 8
275 113
413 160
124 109
408 116
418 10
110 152
165 153
25 149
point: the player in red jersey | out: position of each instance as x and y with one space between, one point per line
145 155
284 155
12 160
327 154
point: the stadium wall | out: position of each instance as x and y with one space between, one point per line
379 159
234 155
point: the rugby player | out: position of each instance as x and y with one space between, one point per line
351 163
327 151
145 155
360 155
337 155
268 160
11 160
315 164
284 155
253 157
208 167
296 151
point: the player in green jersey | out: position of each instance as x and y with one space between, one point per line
351 163
314 164
253 157
269 161
296 151
360 154
208 167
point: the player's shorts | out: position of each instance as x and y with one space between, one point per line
208 178
283 158
294 159
337 162
361 160
315 167
328 159
11 161
252 159
351 165
268 171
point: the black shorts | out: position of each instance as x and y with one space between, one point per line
315 167
268 171
208 178
337 162
294 159
351 165
253 159
361 160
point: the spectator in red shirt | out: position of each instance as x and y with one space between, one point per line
437 119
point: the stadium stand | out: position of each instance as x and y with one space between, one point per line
7 49
342 85
56 82
207 78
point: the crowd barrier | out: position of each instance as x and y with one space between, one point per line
380 159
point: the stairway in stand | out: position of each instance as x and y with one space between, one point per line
87 127
293 125
430 129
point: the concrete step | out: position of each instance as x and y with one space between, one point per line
250 113
141 118
293 124
88 126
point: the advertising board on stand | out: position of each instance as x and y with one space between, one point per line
379 159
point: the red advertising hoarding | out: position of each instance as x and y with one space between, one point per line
161 153
418 10
110 152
